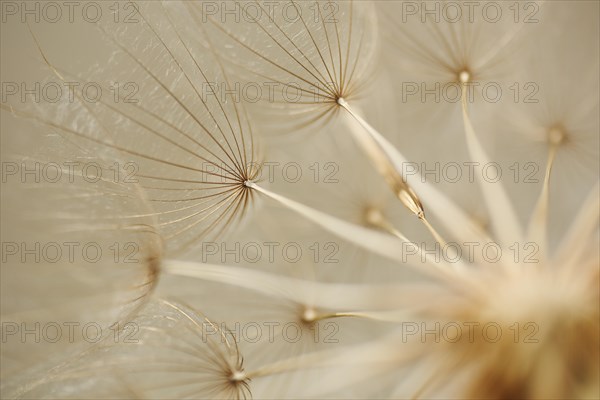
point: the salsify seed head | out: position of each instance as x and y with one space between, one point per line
408 244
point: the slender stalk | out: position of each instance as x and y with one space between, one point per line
538 223
379 243
377 147
378 220
504 218
388 162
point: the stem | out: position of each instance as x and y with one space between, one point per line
320 295
378 149
537 229
379 243
502 213
385 316
378 220
434 233
388 162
